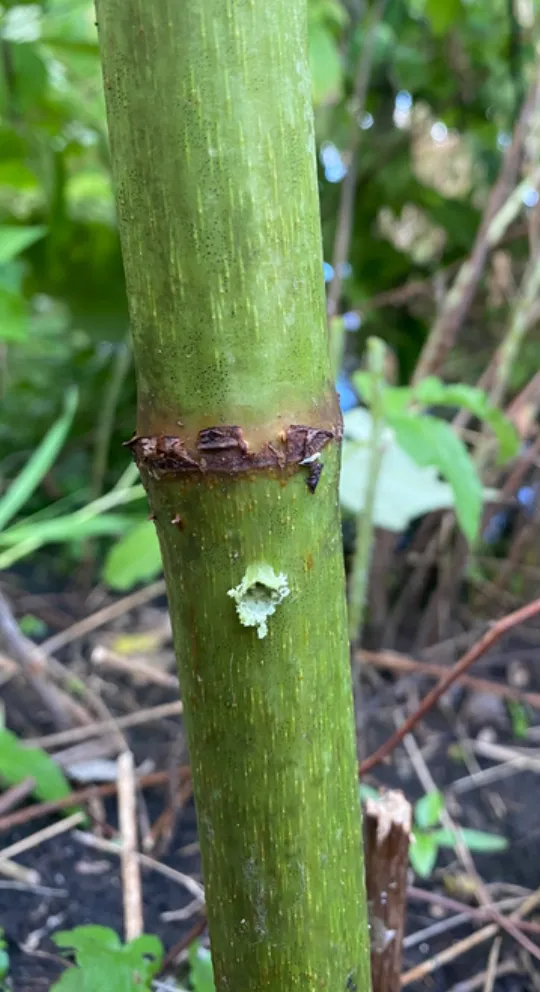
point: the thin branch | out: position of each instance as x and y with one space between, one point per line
493 964
390 660
458 301
83 795
53 830
115 380
460 668
131 876
112 847
348 187
376 354
448 954
22 874
474 913
150 715
464 854
23 651
103 616
196 930
509 967
509 348
14 796
462 946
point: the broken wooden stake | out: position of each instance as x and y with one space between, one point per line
387 828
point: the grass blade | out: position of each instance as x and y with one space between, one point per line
39 464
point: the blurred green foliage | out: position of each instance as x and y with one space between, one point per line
103 962
447 80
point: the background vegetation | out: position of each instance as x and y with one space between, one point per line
415 107
428 139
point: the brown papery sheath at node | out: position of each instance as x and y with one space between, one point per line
224 450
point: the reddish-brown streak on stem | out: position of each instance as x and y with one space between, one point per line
497 630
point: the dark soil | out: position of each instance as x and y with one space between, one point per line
86 886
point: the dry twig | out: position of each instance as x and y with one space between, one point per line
401 663
473 912
348 187
131 876
458 301
154 713
83 795
28 656
103 616
27 843
460 668
111 847
16 794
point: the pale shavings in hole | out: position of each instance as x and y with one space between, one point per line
258 595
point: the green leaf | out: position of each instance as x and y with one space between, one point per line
14 240
13 315
135 558
368 792
71 982
17 174
423 853
32 626
433 442
71 527
60 46
396 399
325 62
404 490
103 963
328 10
4 955
428 809
39 464
519 718
202 974
4 963
475 840
432 392
18 762
443 14
32 77
86 939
